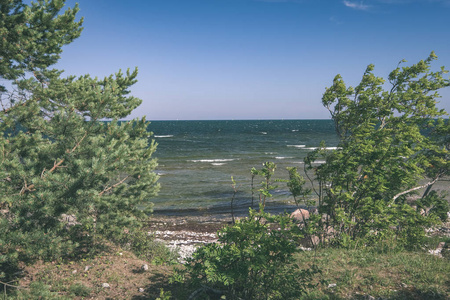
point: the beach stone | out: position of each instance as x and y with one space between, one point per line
309 242
87 268
332 285
438 251
106 285
441 245
144 267
141 290
300 215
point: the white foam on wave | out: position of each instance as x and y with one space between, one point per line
263 132
163 136
297 146
319 162
326 148
218 164
218 160
283 157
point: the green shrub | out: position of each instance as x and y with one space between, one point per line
253 260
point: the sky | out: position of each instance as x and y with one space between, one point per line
251 59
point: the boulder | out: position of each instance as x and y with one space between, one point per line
299 215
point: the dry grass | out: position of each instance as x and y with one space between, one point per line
83 279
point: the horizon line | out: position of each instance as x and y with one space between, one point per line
262 119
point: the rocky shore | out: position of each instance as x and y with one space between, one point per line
184 234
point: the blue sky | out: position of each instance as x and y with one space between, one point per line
252 59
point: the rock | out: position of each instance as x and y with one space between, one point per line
74 271
438 251
69 220
300 215
144 267
106 285
310 241
441 246
141 290
332 285
305 249
87 268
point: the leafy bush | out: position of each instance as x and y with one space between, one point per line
393 143
253 260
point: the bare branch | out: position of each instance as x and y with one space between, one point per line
310 180
415 188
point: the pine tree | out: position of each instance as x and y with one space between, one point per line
66 175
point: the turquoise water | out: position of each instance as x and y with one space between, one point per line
197 159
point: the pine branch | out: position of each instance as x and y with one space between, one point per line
10 285
113 186
56 165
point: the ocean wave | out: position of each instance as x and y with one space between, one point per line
212 160
163 136
283 157
218 164
297 146
263 132
319 162
326 148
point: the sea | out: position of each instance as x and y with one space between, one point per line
198 160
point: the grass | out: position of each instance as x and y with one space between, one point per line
362 272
